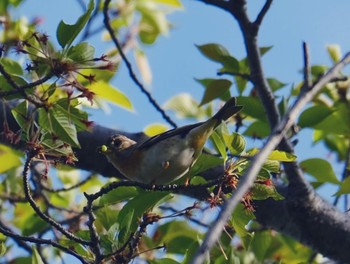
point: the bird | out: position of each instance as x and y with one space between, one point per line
168 156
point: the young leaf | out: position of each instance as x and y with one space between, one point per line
36 259
66 33
82 53
9 159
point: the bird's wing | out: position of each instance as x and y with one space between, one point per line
182 131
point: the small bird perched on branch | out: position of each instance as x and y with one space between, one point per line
168 156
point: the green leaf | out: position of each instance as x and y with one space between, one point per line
187 107
235 143
344 187
125 226
258 129
118 195
20 113
275 84
177 235
320 169
213 51
12 67
314 115
282 156
205 162
107 92
138 205
9 159
219 144
174 3
264 50
67 33
82 53
265 189
163 261
255 109
155 129
240 219
56 121
214 88
36 259
260 244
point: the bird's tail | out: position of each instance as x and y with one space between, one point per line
229 109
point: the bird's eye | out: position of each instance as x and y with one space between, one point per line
115 141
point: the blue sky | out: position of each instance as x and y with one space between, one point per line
176 62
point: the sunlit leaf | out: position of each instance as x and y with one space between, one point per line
36 258
314 115
9 159
107 92
334 52
155 129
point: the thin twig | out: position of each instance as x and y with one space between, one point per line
39 241
29 97
263 12
129 66
19 89
43 216
307 68
272 142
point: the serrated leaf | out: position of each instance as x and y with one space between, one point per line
82 53
67 33
107 92
320 169
155 129
63 126
235 143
